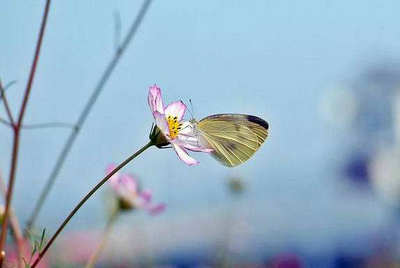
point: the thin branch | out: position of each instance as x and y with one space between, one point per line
17 127
6 106
8 85
49 125
106 233
5 122
34 64
40 125
18 236
86 110
86 197
13 168
117 30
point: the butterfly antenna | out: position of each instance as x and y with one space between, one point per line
191 110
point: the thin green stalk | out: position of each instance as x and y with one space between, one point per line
107 231
16 230
87 196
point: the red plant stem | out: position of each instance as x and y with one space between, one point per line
84 199
34 64
18 236
17 128
14 159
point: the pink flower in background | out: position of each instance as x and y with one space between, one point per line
178 133
12 256
125 187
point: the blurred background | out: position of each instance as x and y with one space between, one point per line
324 189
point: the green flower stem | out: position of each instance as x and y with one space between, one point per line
87 196
107 231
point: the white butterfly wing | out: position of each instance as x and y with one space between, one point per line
233 137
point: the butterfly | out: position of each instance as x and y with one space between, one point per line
234 138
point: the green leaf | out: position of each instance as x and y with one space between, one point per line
42 239
34 248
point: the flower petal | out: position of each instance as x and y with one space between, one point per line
177 109
188 139
192 143
198 148
114 180
156 209
110 168
123 185
187 128
161 123
146 195
129 182
183 155
155 100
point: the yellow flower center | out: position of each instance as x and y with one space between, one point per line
174 126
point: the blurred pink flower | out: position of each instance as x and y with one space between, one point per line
12 256
178 133
127 192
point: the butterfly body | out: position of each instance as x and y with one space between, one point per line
234 138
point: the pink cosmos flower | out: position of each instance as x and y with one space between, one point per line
12 256
177 132
126 189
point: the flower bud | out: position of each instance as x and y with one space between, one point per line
125 204
157 137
